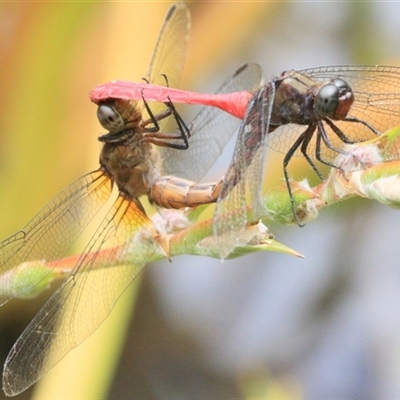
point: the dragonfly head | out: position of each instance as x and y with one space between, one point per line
334 99
109 118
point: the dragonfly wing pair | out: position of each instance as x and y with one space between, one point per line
247 167
117 252
210 130
120 247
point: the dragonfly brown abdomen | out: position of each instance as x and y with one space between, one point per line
174 192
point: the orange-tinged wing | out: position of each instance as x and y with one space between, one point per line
73 312
51 233
120 247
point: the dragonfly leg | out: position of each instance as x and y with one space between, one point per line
154 118
322 134
183 129
171 140
339 133
304 148
174 192
163 75
304 137
179 140
360 121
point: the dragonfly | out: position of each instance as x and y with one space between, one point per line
126 238
311 112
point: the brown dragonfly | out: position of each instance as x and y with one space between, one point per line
125 239
312 113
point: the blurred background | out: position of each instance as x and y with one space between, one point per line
265 326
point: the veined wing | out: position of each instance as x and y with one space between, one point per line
51 233
376 92
210 130
247 166
117 252
120 247
169 53
170 50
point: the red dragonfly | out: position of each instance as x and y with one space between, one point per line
310 112
126 238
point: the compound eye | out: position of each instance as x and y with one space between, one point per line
110 119
327 100
341 84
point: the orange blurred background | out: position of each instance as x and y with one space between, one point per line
53 54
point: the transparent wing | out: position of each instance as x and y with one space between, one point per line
247 165
118 250
170 50
210 130
115 255
50 234
376 92
169 54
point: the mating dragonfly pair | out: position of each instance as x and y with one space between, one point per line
309 112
